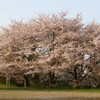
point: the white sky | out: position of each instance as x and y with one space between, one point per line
26 9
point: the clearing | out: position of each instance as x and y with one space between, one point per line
47 95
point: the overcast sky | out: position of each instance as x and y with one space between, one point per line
27 9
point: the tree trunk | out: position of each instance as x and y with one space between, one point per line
51 79
26 81
7 80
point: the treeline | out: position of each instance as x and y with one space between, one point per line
51 51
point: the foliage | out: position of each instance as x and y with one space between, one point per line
59 51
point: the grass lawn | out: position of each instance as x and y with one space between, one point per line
47 95
13 87
13 92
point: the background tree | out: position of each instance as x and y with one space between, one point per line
55 49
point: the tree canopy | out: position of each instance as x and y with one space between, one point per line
51 50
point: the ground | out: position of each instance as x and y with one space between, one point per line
47 95
20 93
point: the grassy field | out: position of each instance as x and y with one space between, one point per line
47 95
16 93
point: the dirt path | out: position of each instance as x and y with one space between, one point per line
46 94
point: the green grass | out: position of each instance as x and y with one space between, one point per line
13 87
13 92
4 86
